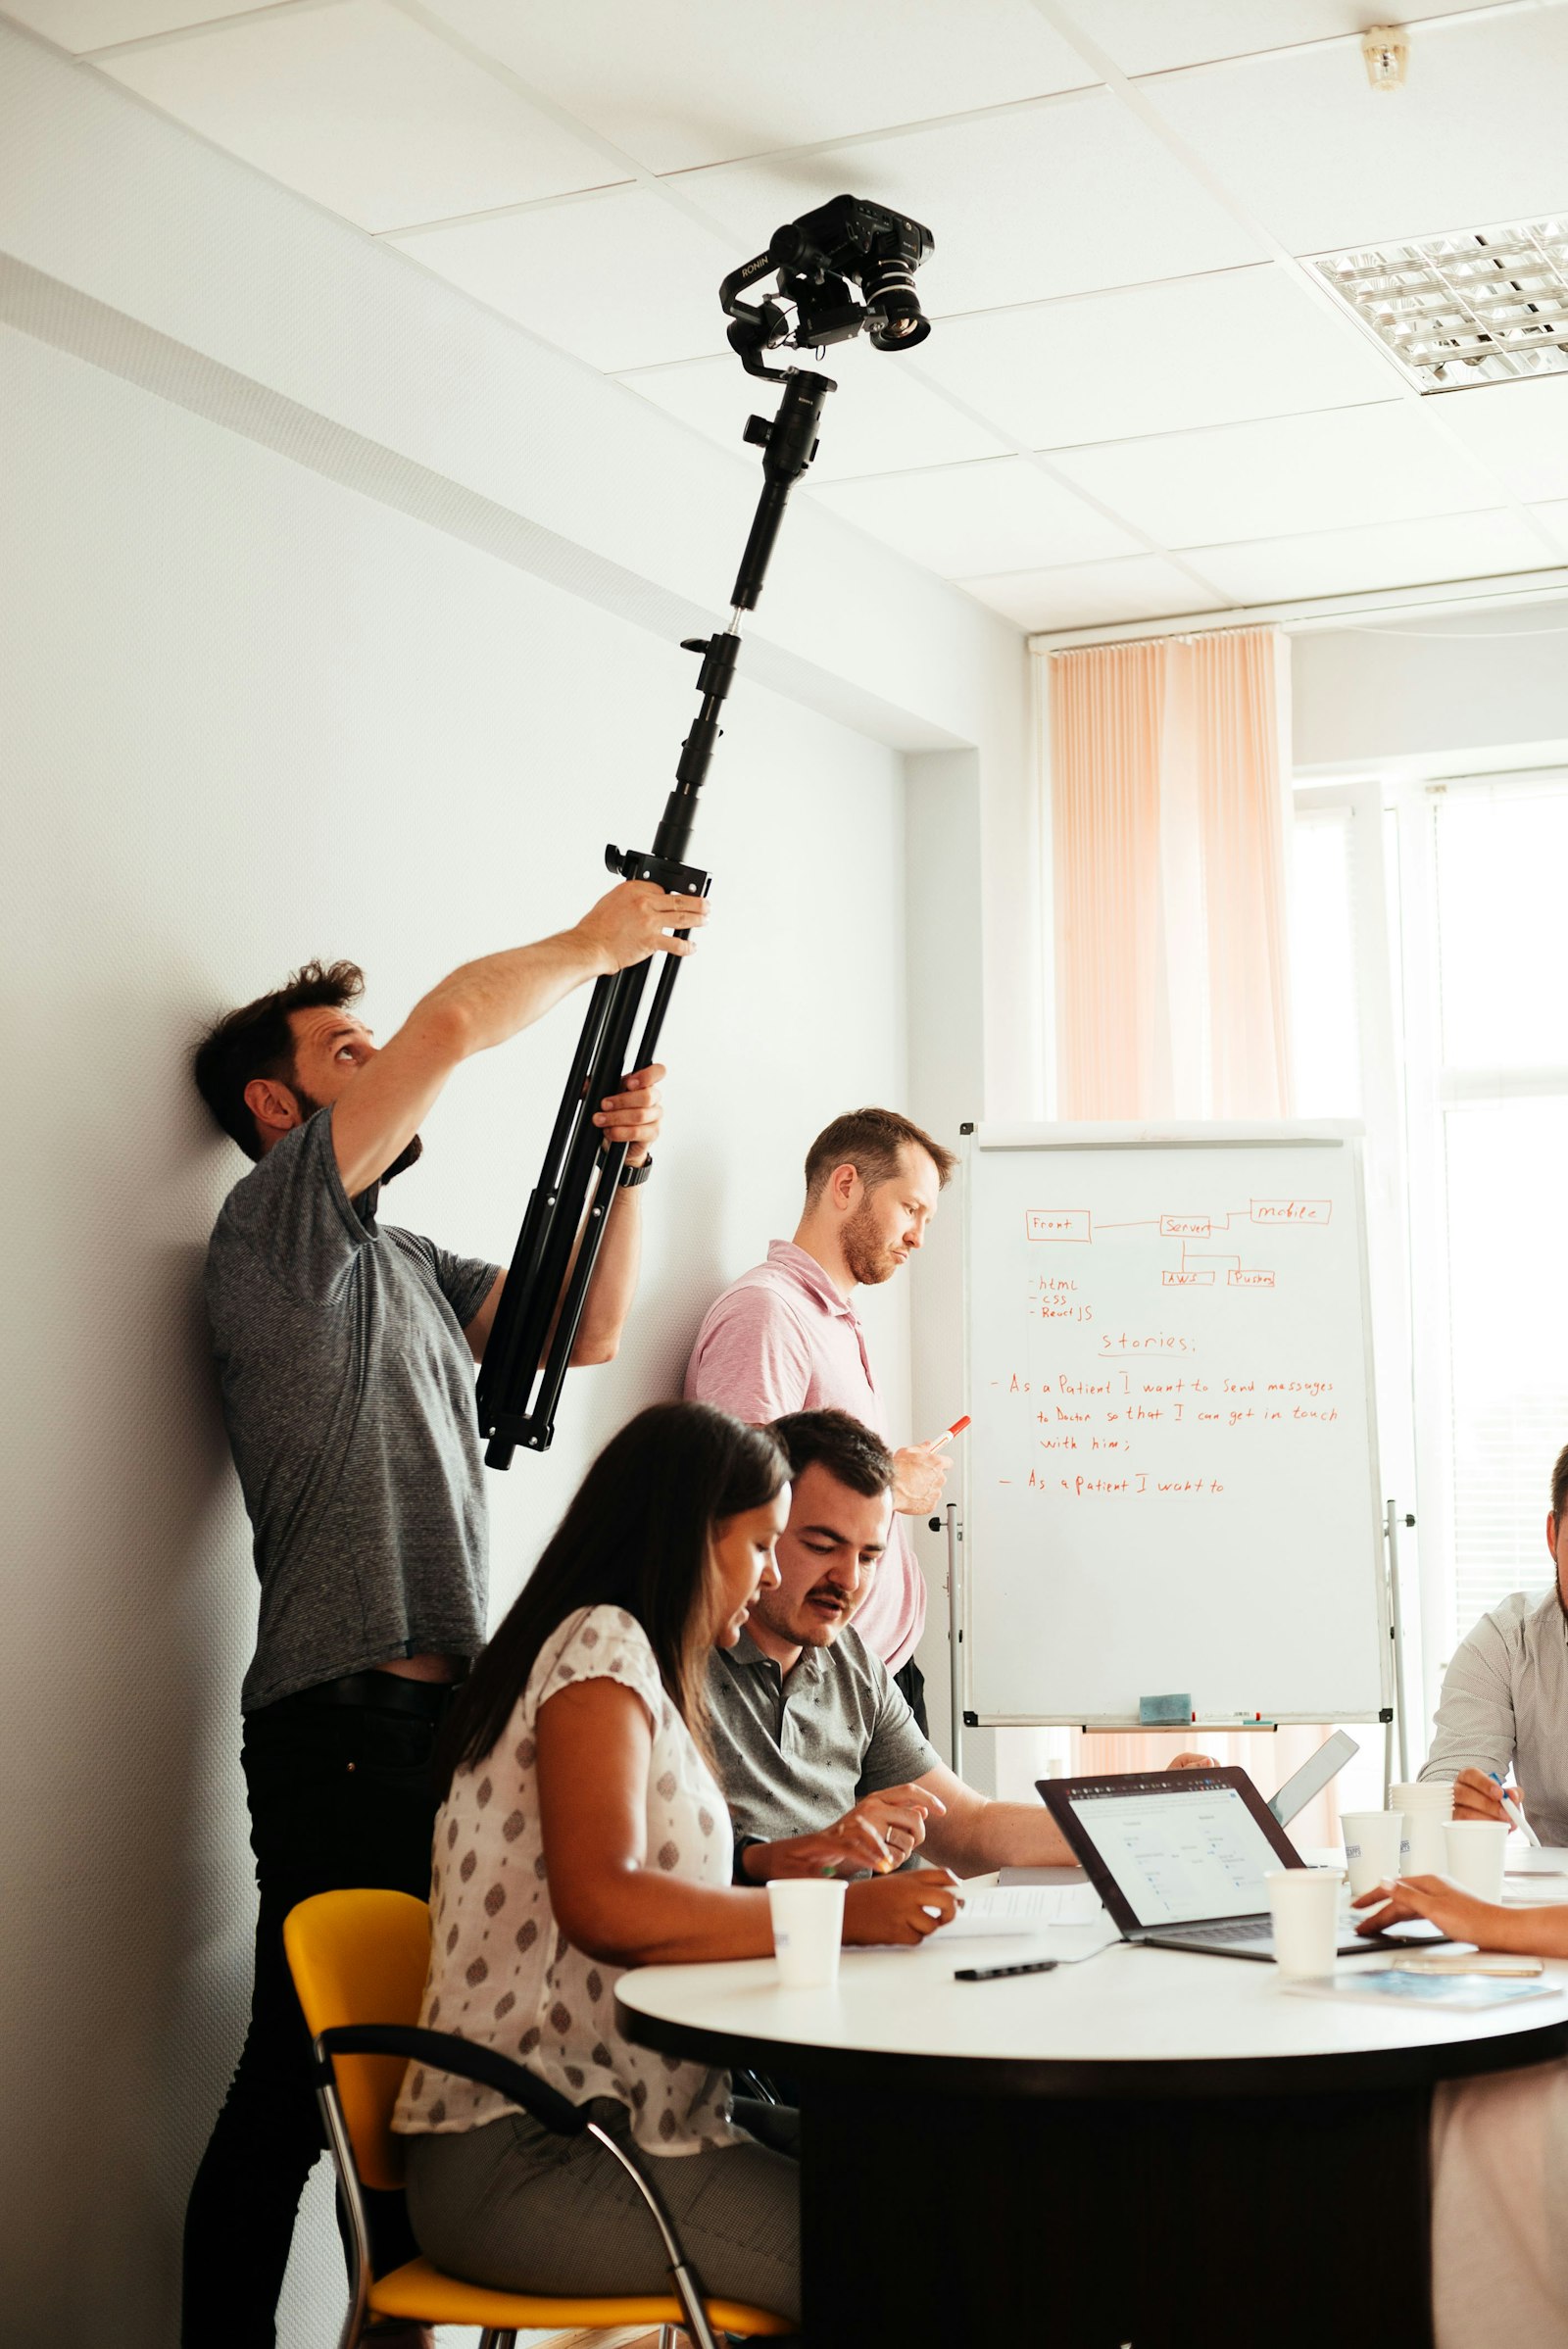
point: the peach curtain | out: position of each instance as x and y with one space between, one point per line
1169 767
1167 782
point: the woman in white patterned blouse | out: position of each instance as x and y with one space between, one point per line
583 1831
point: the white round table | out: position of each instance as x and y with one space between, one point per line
1142 2147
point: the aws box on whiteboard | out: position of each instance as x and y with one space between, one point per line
1171 1479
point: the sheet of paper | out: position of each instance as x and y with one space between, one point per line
1025 1909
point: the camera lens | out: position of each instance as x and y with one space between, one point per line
895 323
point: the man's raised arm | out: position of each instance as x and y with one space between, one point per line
483 1003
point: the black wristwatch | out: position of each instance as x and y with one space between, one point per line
631 1177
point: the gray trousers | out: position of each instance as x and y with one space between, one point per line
514 2206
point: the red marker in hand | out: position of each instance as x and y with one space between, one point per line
956 1429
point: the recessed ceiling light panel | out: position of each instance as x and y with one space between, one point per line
1479 306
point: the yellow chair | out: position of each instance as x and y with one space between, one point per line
359 1961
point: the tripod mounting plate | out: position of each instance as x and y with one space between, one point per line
641 865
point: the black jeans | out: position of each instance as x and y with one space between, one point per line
910 1681
340 1796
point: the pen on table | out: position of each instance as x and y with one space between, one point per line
956 1429
997 1972
1516 1814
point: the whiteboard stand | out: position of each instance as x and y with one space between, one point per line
955 1530
1394 1518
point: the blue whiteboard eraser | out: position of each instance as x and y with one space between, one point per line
1164 1712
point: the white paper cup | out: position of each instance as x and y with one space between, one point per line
1373 1842
1476 1848
807 1914
1427 1807
1304 1905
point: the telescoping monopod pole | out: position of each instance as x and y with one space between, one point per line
535 1327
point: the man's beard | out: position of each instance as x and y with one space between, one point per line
409 1156
868 1257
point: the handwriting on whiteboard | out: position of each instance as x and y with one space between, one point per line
1160 1415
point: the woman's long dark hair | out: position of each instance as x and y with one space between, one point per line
637 1536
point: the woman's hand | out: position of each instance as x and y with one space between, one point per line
1457 1914
899 1908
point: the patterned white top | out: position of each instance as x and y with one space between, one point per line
502 1972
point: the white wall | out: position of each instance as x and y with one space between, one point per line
340 615
1421 694
943 958
251 717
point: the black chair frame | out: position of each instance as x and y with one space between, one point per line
443 2051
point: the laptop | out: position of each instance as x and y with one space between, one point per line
1178 1857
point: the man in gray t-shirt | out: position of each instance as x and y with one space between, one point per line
345 1349
348 1388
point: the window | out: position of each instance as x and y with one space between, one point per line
1427 1005
1492 1090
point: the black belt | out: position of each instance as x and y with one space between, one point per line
379 1692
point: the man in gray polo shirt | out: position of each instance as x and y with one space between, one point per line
819 1754
345 1349
1505 1702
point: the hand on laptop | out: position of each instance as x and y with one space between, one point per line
1457 1914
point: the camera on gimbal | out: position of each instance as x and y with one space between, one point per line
819 259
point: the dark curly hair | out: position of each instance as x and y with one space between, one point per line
257 1040
845 1447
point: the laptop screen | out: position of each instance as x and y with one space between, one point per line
1177 1856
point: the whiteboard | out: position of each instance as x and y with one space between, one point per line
1172 1478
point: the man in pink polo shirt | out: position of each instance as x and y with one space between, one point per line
785 1336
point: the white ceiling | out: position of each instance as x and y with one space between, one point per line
1133 403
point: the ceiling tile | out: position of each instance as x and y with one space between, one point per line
620 279
1089 594
363 110
964 518
1519 429
1554 515
881 420
1149 36
677 84
82 24
1346 467
1332 562
1058 199
1160 359
1324 161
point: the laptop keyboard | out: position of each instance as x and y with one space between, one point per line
1227 1928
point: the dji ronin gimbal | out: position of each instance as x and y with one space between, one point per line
818 259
